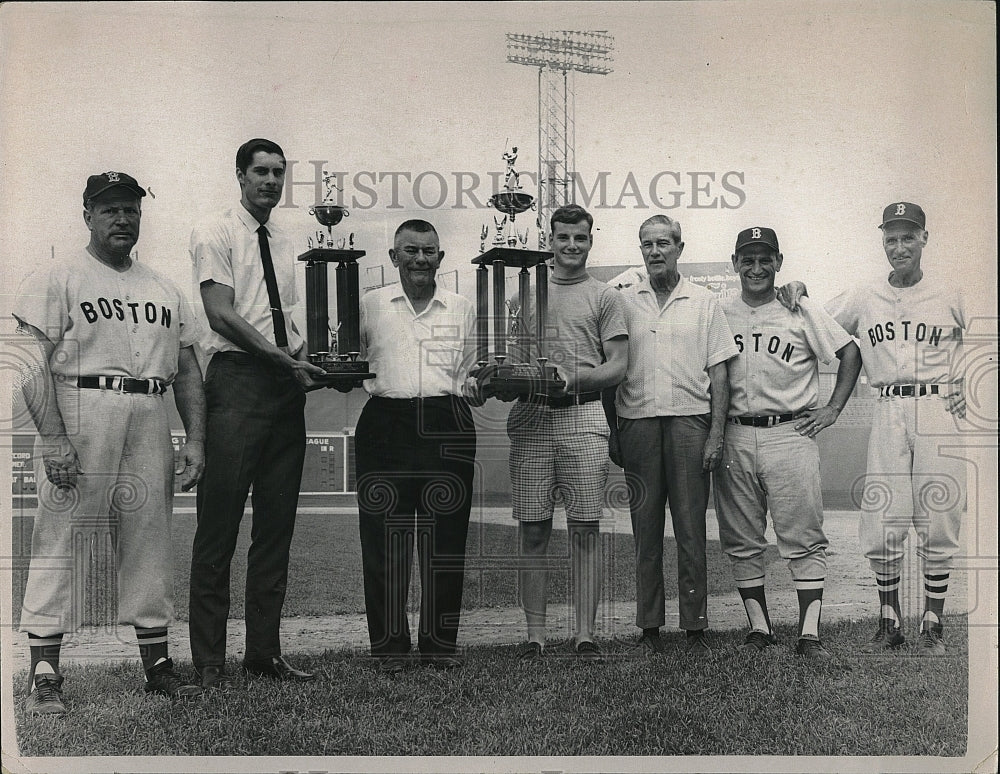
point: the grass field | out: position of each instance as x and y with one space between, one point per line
856 705
325 578
774 704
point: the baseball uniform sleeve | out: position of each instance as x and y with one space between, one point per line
822 332
211 255
43 302
721 346
612 310
845 309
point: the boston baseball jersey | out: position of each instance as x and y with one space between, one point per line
907 335
105 322
776 370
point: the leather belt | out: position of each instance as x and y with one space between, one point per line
769 420
441 401
122 384
909 390
563 401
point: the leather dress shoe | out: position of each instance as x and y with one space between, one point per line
212 676
276 667
442 660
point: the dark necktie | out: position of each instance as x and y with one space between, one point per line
277 316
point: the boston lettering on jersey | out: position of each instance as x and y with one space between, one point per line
126 311
920 332
772 346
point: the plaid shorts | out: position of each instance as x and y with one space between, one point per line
558 450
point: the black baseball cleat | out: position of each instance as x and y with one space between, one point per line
276 667
812 649
757 641
931 643
888 637
46 697
163 680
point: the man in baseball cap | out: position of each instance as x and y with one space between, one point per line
98 184
113 337
910 333
770 457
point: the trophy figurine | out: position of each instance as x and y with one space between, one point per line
339 356
525 378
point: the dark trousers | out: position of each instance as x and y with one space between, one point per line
663 462
255 436
415 465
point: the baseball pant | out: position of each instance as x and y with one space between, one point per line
415 465
255 436
916 476
771 469
123 444
663 463
558 450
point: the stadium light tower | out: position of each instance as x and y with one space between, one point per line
557 55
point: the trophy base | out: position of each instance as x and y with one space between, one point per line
523 379
344 371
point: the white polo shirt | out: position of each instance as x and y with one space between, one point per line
670 351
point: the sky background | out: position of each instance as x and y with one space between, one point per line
820 113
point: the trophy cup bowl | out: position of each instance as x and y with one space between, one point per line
329 215
511 202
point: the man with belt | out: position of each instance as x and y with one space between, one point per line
113 335
910 331
415 453
255 387
671 411
771 459
559 444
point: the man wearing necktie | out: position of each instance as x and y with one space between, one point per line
255 386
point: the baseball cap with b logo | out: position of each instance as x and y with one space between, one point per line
903 211
98 184
761 234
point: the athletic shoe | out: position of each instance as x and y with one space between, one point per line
529 651
46 698
757 641
888 637
647 646
587 650
163 680
697 645
931 643
812 649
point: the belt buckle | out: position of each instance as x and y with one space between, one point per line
118 384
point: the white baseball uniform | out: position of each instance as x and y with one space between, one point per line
106 323
774 468
910 340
